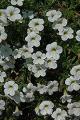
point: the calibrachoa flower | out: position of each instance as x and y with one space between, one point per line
75 71
2 106
66 33
3 35
51 63
17 112
72 84
33 39
59 24
36 24
24 52
41 88
22 58
53 51
52 87
17 2
38 57
74 108
38 70
78 35
13 13
3 17
66 98
46 108
2 76
10 88
53 15
59 114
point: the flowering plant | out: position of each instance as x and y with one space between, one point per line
39 60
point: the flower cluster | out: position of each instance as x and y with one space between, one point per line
35 61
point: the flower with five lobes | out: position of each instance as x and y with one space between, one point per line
75 71
74 108
38 57
17 2
53 15
52 87
72 84
33 39
36 24
66 33
46 108
59 24
59 114
10 88
13 13
51 63
53 51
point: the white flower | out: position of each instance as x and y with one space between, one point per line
74 108
17 53
31 87
29 30
72 84
75 71
2 105
10 88
66 33
52 87
53 15
8 63
26 51
59 24
46 108
3 35
3 17
38 57
66 98
78 35
41 88
2 76
22 97
28 93
17 112
36 24
17 2
13 13
38 70
59 114
33 39
53 51
51 63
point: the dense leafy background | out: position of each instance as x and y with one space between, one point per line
70 57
